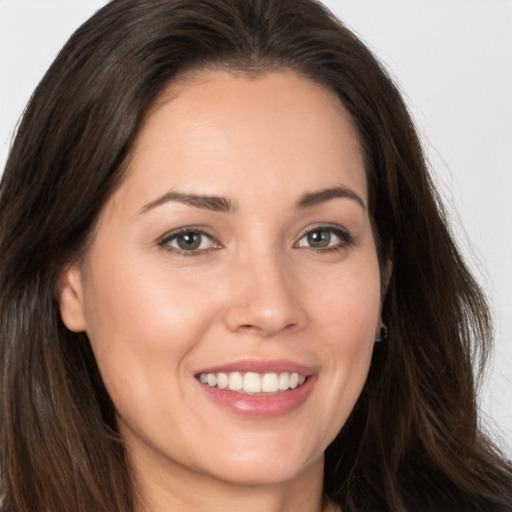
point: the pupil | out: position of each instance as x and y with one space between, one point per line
189 241
319 238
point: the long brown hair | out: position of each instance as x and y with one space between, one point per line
412 441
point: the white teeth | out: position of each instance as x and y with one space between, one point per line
270 383
235 381
222 380
252 382
284 381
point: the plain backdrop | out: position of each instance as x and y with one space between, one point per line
453 62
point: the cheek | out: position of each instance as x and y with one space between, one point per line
141 322
357 319
142 302
348 303
348 314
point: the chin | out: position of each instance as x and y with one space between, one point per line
267 462
276 471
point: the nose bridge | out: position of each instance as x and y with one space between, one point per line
263 293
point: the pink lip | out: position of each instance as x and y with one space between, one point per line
261 366
260 406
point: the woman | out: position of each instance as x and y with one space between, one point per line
226 279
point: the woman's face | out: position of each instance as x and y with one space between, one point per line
231 294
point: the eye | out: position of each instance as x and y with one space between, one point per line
325 238
188 240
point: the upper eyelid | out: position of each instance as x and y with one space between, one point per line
323 226
164 242
186 229
347 238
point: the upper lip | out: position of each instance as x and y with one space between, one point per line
261 366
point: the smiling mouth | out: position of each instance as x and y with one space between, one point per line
252 382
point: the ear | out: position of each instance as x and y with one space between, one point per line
71 299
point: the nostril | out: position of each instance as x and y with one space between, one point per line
251 327
265 317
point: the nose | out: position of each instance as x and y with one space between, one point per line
265 298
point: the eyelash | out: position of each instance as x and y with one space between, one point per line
346 240
170 237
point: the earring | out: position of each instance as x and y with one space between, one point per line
383 334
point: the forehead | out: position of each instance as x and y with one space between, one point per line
217 128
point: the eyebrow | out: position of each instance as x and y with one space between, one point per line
212 203
223 205
316 198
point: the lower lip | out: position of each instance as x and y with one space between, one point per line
260 406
